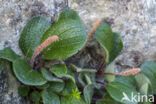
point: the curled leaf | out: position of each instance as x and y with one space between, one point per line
26 74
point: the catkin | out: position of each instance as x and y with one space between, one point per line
130 72
46 43
126 73
42 46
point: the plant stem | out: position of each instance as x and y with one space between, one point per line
102 66
96 99
110 73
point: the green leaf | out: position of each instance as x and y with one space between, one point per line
110 69
35 96
117 46
69 13
23 90
141 79
49 77
71 100
144 89
69 86
87 71
80 70
107 99
148 69
104 36
73 68
56 87
70 77
127 80
8 54
45 86
50 97
118 91
88 93
71 33
81 79
143 83
32 33
26 74
59 70
87 78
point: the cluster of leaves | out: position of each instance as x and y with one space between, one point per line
59 84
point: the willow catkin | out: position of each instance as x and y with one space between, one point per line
91 33
126 73
43 45
46 43
94 28
130 72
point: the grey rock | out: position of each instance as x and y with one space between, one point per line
135 20
8 85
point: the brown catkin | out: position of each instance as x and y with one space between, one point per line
126 73
91 33
46 43
94 28
42 46
130 72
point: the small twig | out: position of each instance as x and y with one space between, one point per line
102 83
90 35
102 66
42 46
96 99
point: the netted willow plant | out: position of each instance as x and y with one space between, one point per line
46 79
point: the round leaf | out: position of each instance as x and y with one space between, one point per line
107 99
71 33
59 70
144 89
26 74
69 86
118 91
48 76
104 36
50 97
56 86
32 33
88 93
117 46
8 54
71 100
127 80
148 69
143 83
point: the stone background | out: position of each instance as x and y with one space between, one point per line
135 20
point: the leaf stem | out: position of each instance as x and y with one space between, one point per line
96 99
102 66
133 71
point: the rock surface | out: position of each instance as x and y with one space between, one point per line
135 20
